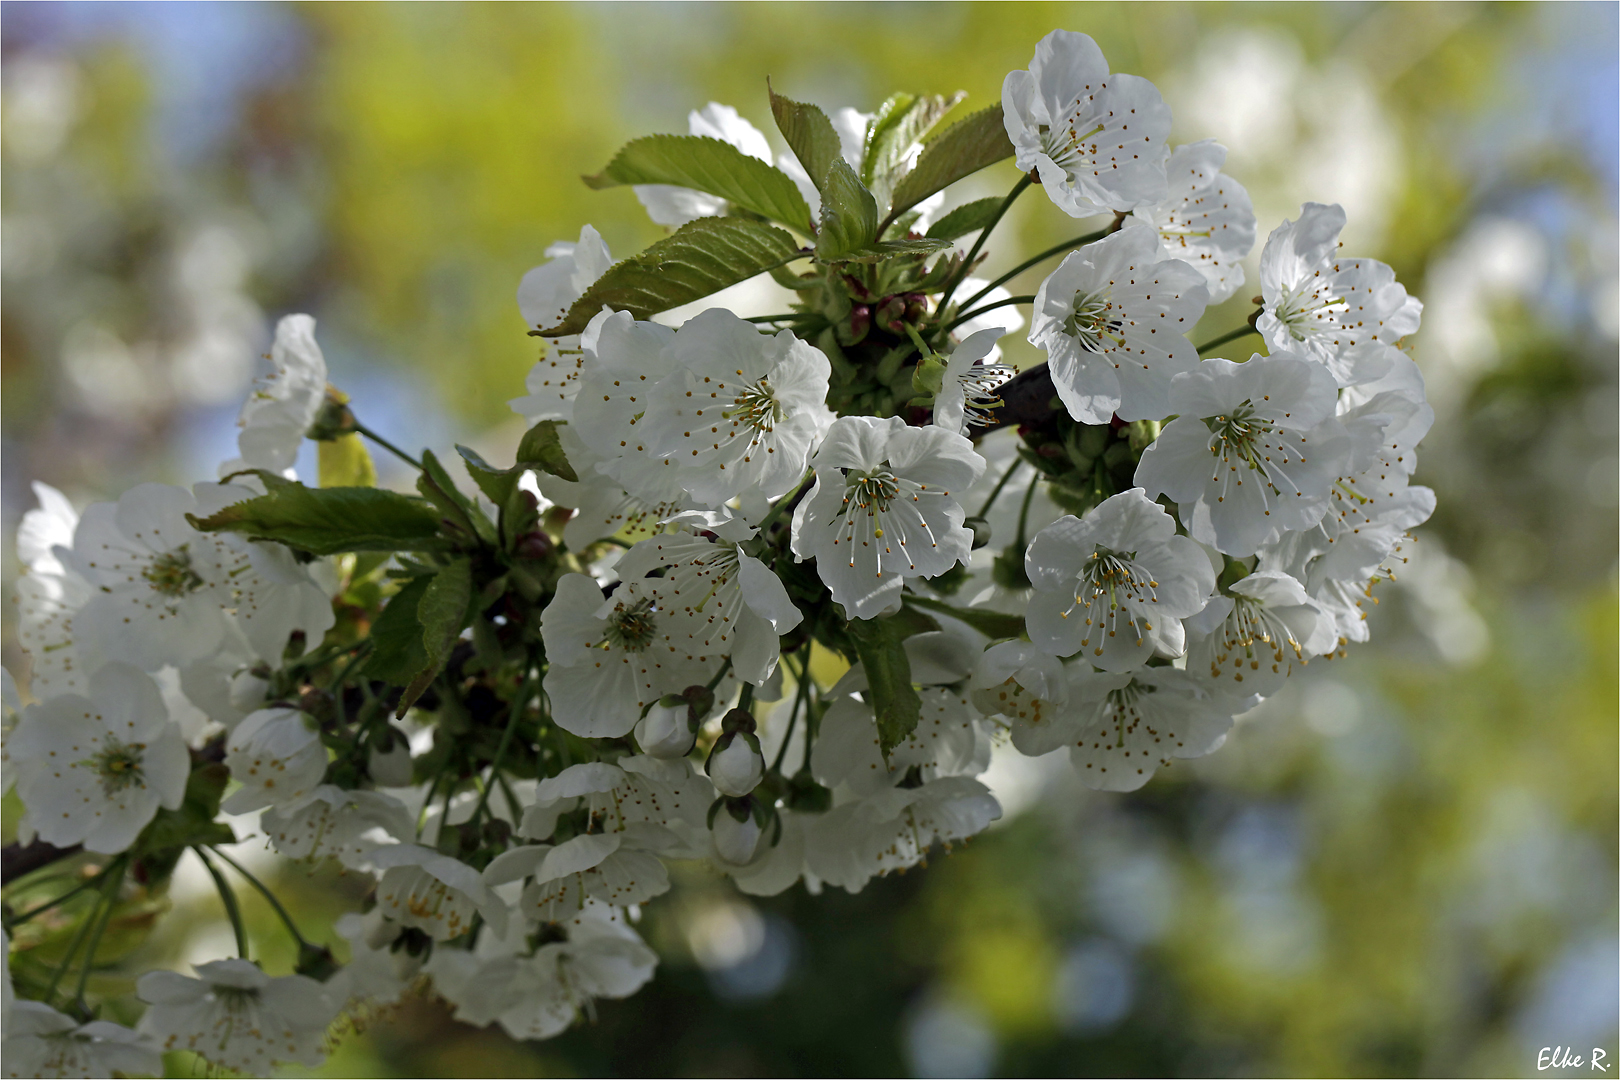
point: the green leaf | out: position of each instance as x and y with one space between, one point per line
437 486
442 612
900 122
849 214
344 462
541 449
964 148
327 521
992 624
707 164
498 484
171 831
879 643
969 217
809 133
698 259
891 249
397 654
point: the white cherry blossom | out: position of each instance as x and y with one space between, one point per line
1113 319
435 893
544 296
1320 305
1253 451
334 823
884 509
95 768
1207 220
738 411
1098 140
610 658
970 383
731 603
236 1017
1124 734
39 1041
283 404
1114 586
278 757
1251 639
1032 691
894 829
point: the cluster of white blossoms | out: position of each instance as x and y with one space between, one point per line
765 593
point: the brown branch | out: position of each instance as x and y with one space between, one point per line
16 860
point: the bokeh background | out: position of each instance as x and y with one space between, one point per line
1405 864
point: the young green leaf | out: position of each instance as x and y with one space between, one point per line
698 259
397 653
900 122
849 214
967 218
442 612
879 643
707 164
437 486
327 521
541 449
809 133
879 250
964 148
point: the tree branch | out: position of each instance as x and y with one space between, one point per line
1025 399
17 860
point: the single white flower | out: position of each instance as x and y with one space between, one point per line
236 1017
1098 140
434 893
39 1041
544 296
1114 586
277 597
894 829
619 867
1253 451
670 205
738 411
971 382
345 825
278 757
378 972
610 659
1207 220
1320 305
1251 639
1124 734
601 505
282 405
671 795
93 769
731 603
1032 691
884 508
947 741
1113 319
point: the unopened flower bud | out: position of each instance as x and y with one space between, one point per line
248 691
735 841
666 731
534 545
736 765
981 531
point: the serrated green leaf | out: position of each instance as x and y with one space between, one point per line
849 214
879 643
992 624
711 165
970 144
344 462
442 612
969 217
698 259
900 122
397 655
809 133
498 484
327 521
